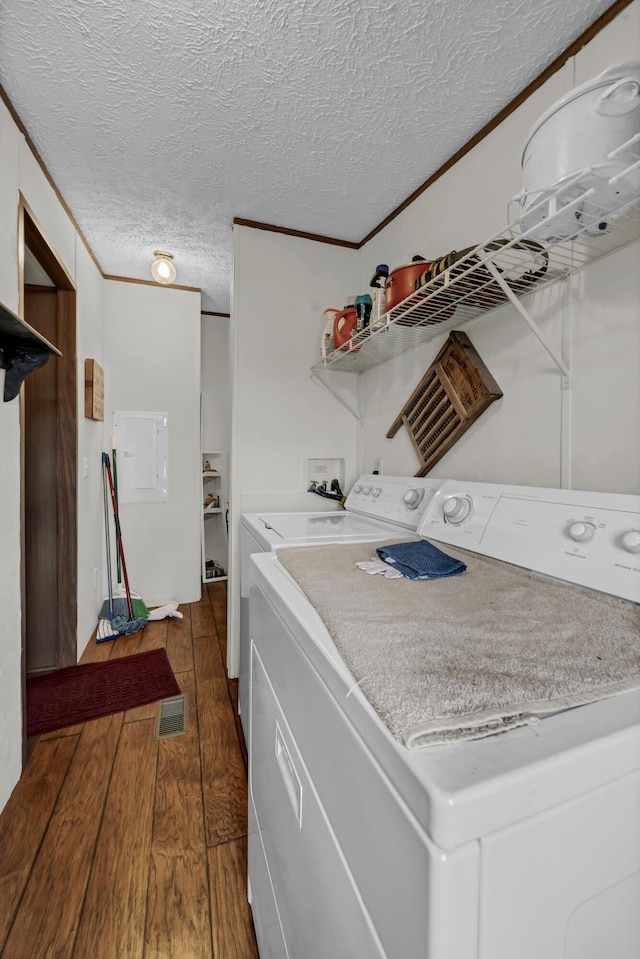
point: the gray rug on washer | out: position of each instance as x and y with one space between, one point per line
472 655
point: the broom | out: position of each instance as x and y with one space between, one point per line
106 630
133 608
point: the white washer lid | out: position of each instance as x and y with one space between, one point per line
292 528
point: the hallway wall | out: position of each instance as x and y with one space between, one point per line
10 641
280 417
20 172
161 367
152 353
216 384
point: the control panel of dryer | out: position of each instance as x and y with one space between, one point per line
588 538
396 499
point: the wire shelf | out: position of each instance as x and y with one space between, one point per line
510 265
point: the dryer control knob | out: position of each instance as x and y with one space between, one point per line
376 490
413 497
456 509
582 532
357 489
631 540
366 490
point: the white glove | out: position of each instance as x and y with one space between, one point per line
378 566
161 612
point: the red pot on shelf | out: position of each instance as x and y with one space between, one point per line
401 282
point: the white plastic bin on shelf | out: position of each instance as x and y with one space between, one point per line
582 157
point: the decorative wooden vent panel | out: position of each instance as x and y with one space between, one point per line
456 389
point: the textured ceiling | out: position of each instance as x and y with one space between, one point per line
160 122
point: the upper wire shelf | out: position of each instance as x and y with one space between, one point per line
509 266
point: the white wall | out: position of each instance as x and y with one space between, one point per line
90 344
281 286
216 384
606 383
20 172
534 434
10 639
151 360
152 354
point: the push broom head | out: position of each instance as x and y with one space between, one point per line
121 608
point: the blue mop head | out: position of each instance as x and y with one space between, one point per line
126 626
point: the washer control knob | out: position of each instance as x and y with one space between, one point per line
366 490
456 509
413 497
582 532
376 490
631 540
357 489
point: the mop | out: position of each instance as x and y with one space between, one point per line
106 630
123 615
117 624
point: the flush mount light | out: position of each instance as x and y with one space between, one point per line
162 268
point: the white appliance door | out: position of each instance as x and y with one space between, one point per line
566 884
316 898
266 919
248 546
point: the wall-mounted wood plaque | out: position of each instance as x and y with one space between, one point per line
456 389
93 390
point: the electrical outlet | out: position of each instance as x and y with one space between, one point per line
377 464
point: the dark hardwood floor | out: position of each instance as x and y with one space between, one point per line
116 846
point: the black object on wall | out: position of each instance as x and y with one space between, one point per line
22 350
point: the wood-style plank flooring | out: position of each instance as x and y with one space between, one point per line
116 846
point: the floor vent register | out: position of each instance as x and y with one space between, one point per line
172 717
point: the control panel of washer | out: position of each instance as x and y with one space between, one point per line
396 499
588 538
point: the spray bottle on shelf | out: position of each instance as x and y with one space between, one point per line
378 283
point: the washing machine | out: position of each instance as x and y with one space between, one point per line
377 506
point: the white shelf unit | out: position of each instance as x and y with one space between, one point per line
214 507
508 267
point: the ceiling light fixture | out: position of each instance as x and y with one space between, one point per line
162 268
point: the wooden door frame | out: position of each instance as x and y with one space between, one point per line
31 234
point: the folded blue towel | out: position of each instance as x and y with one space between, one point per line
420 560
